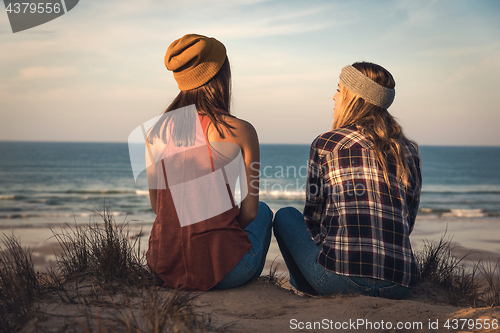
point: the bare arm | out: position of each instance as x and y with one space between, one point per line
151 175
251 154
152 199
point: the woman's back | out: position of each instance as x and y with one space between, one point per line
196 215
366 222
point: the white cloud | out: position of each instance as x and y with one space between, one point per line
43 72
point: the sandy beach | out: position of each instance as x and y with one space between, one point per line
263 307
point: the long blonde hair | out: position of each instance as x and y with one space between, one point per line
377 123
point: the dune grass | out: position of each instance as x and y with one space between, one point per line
99 268
478 286
20 285
274 277
491 275
103 252
438 264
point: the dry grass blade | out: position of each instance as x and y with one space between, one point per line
274 277
491 294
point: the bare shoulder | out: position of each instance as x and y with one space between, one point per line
239 123
242 133
242 128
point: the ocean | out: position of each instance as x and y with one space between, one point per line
56 183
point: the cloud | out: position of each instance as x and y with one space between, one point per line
44 72
482 73
235 19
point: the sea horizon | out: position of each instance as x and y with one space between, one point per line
66 179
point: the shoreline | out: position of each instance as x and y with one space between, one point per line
477 238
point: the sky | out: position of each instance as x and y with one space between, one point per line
97 72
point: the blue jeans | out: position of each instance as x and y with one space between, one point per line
307 275
251 265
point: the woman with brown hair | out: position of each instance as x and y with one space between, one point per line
207 233
362 197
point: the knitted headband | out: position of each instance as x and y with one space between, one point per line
366 88
194 60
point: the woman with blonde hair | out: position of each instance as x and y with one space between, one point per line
207 233
362 197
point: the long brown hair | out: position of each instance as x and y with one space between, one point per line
377 123
213 99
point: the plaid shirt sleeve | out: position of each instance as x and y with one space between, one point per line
414 195
315 201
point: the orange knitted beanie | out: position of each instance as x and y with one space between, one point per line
194 60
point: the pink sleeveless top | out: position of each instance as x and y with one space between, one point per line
195 256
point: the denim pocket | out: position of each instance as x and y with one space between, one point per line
333 283
248 262
395 291
356 288
322 279
252 260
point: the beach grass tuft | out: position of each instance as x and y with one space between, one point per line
103 252
20 285
438 264
491 275
100 271
274 277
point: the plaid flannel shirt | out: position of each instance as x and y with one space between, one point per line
361 223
